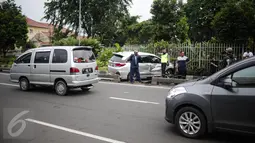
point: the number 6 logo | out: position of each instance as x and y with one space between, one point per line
14 122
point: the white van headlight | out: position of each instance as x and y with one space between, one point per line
176 91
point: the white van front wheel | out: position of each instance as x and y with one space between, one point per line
61 88
24 84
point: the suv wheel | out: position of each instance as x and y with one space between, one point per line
190 122
24 84
61 88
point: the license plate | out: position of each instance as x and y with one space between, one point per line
87 70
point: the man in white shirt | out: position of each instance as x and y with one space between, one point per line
247 54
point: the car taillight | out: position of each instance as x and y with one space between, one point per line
96 68
120 64
74 70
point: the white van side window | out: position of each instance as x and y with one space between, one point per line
59 56
24 59
42 57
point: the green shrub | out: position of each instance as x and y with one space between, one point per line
106 54
7 61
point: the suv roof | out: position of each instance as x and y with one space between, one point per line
128 53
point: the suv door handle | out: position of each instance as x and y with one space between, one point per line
34 66
28 65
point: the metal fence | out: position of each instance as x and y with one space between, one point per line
199 54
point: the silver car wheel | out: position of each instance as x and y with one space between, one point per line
190 123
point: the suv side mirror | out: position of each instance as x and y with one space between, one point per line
227 83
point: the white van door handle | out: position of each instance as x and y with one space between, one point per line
34 66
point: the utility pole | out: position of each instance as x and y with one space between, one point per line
79 23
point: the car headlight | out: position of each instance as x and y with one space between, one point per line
176 91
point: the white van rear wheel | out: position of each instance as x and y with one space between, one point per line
61 88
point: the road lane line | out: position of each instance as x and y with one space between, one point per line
132 100
7 84
1 73
135 85
74 131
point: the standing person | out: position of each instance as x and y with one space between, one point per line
247 54
164 61
182 65
135 59
213 65
229 58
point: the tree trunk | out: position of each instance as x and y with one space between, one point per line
4 53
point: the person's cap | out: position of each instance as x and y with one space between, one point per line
135 51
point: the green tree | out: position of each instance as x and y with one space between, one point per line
140 33
235 22
99 17
200 14
13 27
121 35
168 17
71 41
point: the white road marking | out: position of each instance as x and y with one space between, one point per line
4 73
74 131
135 85
132 100
7 84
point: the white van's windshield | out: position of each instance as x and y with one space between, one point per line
83 55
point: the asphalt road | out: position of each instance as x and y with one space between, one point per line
110 112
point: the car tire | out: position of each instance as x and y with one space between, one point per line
24 84
85 89
61 88
169 72
190 122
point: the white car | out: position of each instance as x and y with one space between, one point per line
150 66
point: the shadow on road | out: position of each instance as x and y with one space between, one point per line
51 91
218 137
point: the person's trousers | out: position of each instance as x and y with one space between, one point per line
182 73
163 69
137 74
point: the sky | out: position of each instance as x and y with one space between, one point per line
34 9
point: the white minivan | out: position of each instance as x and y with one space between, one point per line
62 67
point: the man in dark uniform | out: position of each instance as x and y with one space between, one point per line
135 59
229 58
181 65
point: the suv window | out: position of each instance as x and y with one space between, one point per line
24 59
116 58
83 55
245 77
147 59
59 56
42 57
155 59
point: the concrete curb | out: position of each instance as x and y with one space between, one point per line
6 69
108 77
158 80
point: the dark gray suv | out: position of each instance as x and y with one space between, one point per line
225 100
